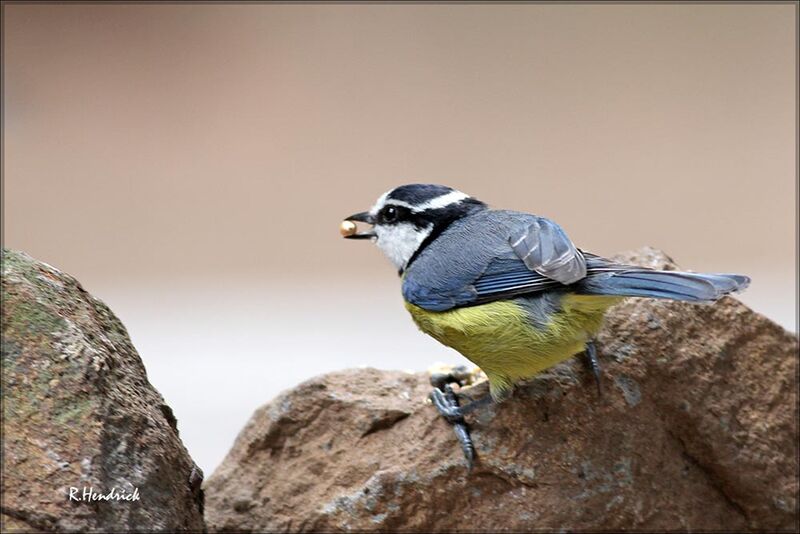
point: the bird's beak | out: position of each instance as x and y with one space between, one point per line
350 230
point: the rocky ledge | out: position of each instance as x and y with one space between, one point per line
696 430
80 415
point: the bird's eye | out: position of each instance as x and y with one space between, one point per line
390 214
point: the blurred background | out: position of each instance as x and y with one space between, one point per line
190 164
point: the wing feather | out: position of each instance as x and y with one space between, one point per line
545 248
493 255
510 277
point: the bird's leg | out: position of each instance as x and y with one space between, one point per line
594 364
446 403
450 409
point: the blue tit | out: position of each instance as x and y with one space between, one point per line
508 290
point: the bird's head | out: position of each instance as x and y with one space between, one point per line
408 217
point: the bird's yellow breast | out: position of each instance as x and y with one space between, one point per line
503 340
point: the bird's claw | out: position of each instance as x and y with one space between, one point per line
444 399
447 404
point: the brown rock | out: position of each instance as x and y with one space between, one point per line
696 430
78 412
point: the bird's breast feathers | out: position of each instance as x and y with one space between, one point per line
518 338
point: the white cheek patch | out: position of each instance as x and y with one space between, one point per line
400 241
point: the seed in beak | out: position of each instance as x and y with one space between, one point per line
348 228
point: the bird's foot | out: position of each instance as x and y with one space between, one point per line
594 365
446 402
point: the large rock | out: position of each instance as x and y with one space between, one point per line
80 413
697 429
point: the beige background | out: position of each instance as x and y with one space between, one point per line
190 164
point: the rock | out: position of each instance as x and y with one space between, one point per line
697 430
80 413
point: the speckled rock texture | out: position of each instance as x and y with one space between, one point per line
79 412
696 430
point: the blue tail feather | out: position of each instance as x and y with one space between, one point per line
674 285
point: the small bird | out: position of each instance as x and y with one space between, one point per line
508 290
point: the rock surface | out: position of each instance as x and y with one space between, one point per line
79 412
697 430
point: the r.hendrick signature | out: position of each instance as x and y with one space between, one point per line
89 494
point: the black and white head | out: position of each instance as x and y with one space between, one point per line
407 218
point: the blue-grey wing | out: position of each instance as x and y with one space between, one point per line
491 256
509 277
502 278
545 248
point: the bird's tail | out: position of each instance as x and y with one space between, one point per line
674 285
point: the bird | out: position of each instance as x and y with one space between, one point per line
508 290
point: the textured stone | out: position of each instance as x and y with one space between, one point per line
78 411
697 430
